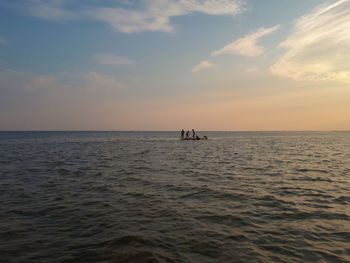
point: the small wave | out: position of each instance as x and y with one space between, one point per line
127 241
281 249
315 255
130 249
306 170
312 179
238 238
134 257
227 219
344 200
309 215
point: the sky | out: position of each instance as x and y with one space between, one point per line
240 65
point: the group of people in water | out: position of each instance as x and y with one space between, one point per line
194 136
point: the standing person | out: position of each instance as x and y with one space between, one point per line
193 134
182 134
187 134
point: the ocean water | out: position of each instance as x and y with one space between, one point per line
150 197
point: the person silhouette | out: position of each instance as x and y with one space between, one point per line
182 133
193 134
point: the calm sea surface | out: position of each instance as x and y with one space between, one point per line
150 197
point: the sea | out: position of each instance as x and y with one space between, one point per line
151 197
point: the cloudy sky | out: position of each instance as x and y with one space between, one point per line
173 64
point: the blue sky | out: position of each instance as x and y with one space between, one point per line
69 64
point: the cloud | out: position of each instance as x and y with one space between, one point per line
203 65
14 82
318 48
19 83
128 16
154 15
247 46
250 69
109 59
98 82
46 9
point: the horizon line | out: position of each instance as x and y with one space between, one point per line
174 130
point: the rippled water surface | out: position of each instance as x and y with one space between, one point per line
150 197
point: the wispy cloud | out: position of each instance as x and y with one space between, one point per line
154 15
53 10
247 46
2 40
250 69
203 65
14 82
128 16
97 81
109 59
318 49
